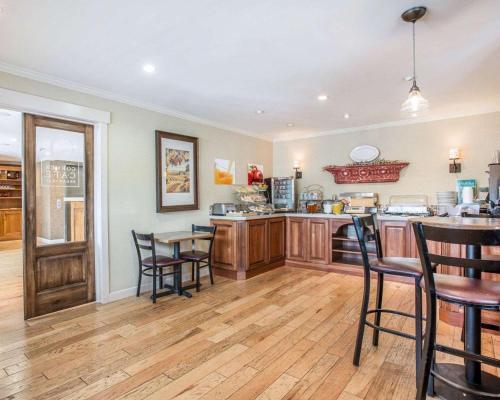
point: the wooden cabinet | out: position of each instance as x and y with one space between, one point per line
317 241
277 239
246 248
10 224
257 242
395 236
308 240
296 238
224 251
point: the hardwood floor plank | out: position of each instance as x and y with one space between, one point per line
286 334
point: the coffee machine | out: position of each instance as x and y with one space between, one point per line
494 191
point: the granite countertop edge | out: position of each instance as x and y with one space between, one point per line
305 215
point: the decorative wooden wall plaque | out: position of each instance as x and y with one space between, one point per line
380 171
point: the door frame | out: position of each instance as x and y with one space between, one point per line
27 103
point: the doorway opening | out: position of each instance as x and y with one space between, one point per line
46 215
11 222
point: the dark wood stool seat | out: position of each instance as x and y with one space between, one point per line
400 266
467 291
367 231
198 258
161 261
194 255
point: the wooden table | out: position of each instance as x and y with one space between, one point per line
175 238
473 374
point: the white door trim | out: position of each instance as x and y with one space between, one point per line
100 119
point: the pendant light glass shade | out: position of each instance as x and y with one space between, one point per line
415 105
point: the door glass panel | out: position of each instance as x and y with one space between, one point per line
60 186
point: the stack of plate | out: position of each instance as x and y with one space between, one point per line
445 200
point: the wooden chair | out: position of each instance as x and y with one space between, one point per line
464 291
200 259
153 264
367 231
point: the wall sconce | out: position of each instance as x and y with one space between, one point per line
454 155
296 167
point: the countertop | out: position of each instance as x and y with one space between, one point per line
305 215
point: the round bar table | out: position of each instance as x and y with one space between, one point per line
472 376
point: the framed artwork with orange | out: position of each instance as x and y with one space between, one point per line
224 172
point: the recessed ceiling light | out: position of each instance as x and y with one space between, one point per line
347 116
259 111
322 97
289 124
149 68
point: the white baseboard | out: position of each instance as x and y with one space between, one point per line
145 287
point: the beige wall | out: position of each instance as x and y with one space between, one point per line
131 169
424 145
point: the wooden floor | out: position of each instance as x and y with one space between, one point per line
287 334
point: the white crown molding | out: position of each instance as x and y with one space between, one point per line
45 78
389 124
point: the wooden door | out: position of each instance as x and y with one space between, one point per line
257 238
296 239
58 163
277 233
318 242
395 238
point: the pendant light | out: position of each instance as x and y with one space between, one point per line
415 104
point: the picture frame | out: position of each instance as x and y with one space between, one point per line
176 172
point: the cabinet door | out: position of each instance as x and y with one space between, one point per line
224 251
296 239
257 243
277 232
318 241
395 239
12 224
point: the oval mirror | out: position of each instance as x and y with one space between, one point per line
364 153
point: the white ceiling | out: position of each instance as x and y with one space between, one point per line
220 60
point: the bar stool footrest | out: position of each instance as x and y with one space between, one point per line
468 355
388 330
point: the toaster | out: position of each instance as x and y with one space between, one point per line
222 208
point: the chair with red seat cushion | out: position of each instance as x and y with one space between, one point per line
367 231
198 258
153 265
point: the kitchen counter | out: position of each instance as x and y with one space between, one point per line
248 245
381 217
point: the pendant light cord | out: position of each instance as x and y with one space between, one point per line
414 74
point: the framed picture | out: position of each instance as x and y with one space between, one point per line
224 172
255 173
176 172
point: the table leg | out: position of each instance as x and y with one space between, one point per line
178 274
473 323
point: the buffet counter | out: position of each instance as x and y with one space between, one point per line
248 245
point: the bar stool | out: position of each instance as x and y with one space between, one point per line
367 231
153 264
198 258
464 291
